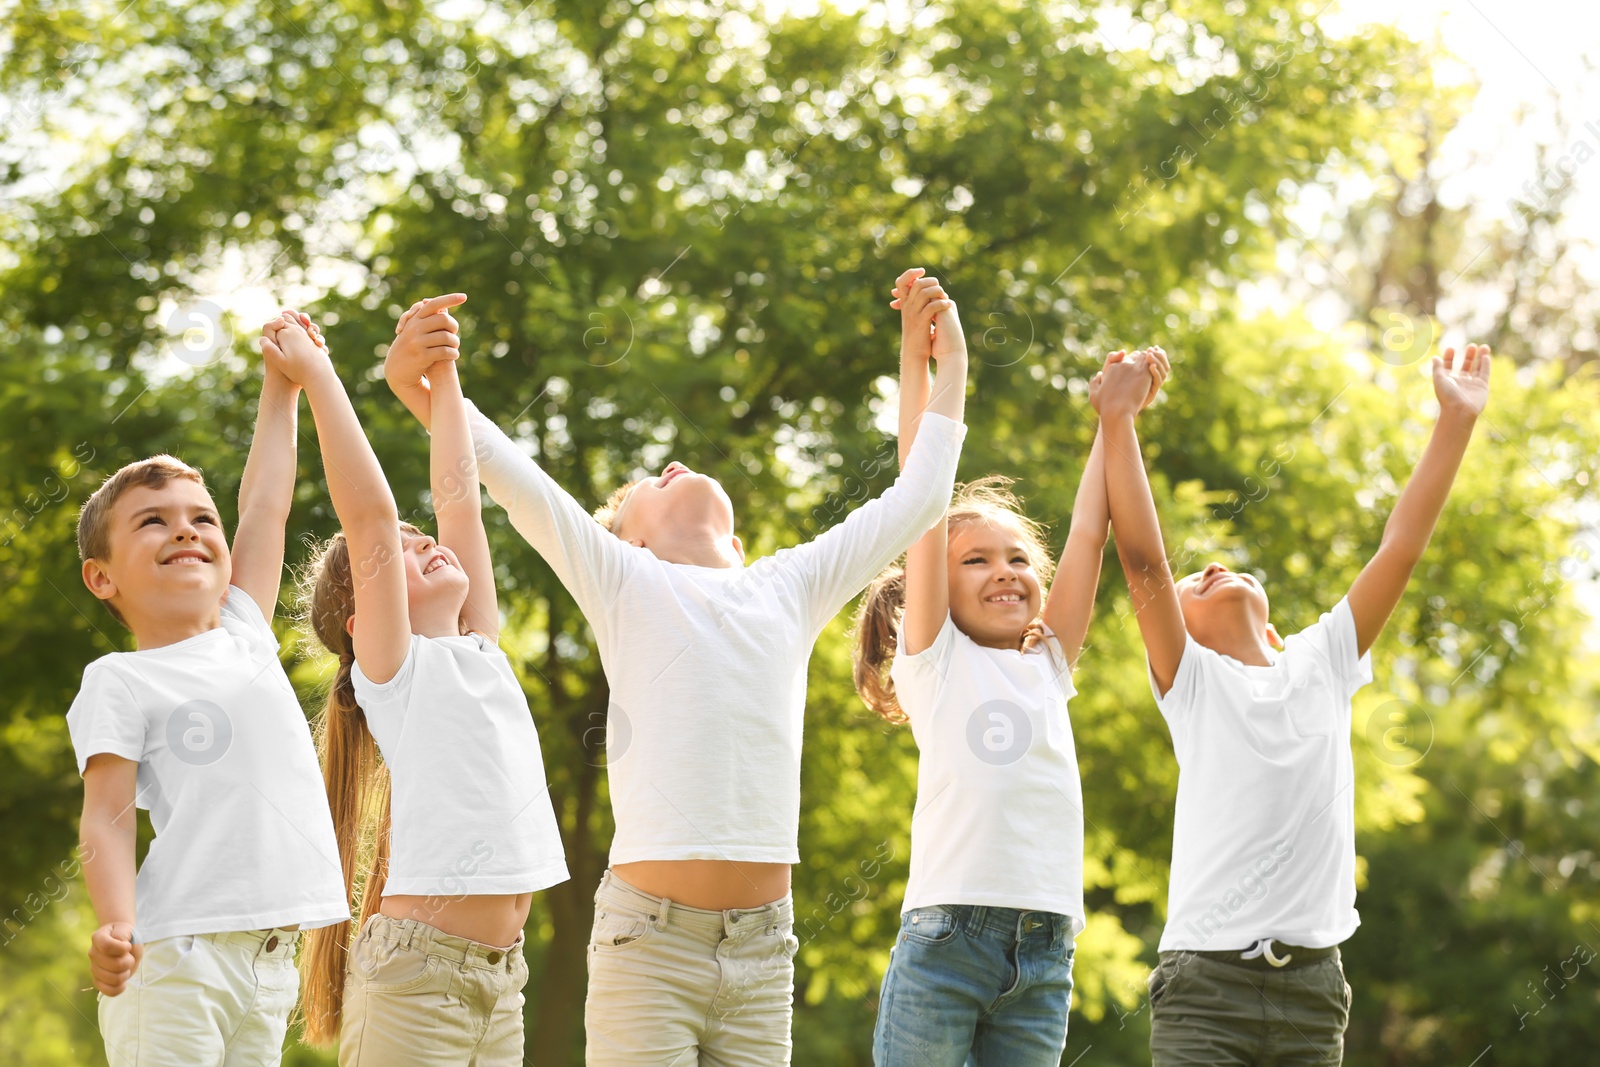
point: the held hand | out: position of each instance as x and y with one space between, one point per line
426 334
113 957
1123 384
920 300
1462 384
1160 370
293 346
949 341
1098 381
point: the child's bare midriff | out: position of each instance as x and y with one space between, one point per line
715 885
489 919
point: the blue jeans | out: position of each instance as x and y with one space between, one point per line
970 986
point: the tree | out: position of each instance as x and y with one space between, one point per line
677 224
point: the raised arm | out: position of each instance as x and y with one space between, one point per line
1070 605
836 565
361 499
1463 391
106 836
926 311
457 503
1134 519
425 335
589 560
266 492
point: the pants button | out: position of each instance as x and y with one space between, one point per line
496 957
272 942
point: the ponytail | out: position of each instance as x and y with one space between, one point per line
877 629
358 794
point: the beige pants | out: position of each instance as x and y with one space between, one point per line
417 995
205 1000
670 985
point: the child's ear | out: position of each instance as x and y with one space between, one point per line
1272 637
350 625
738 546
97 580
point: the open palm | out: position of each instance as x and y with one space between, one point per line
1462 382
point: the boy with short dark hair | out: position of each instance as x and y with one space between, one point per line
1263 882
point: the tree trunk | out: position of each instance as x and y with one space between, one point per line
555 1026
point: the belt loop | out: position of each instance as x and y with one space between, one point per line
663 910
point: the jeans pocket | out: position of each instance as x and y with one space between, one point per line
933 925
1162 980
384 966
164 958
519 969
618 929
1339 988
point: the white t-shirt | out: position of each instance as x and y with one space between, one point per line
999 816
469 807
707 665
228 772
1263 839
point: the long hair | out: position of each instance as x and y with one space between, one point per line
987 500
357 783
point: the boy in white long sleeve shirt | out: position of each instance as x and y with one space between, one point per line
692 947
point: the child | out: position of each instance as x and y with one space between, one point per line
1263 849
436 973
194 960
691 956
983 963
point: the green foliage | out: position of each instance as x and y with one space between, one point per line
677 225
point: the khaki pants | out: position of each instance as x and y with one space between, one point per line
205 1000
686 986
416 995
1208 1013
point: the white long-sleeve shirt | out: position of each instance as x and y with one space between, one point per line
707 665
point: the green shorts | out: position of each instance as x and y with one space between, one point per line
1209 1013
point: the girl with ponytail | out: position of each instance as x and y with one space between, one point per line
974 646
426 739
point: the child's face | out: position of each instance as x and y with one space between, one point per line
435 582
1217 600
673 506
168 554
994 592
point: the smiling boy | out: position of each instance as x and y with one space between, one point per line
194 959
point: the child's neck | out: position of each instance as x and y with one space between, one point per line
159 630
701 549
436 624
1244 643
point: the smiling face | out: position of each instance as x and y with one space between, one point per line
436 586
165 553
994 589
1219 604
674 508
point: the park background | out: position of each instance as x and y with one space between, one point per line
678 223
